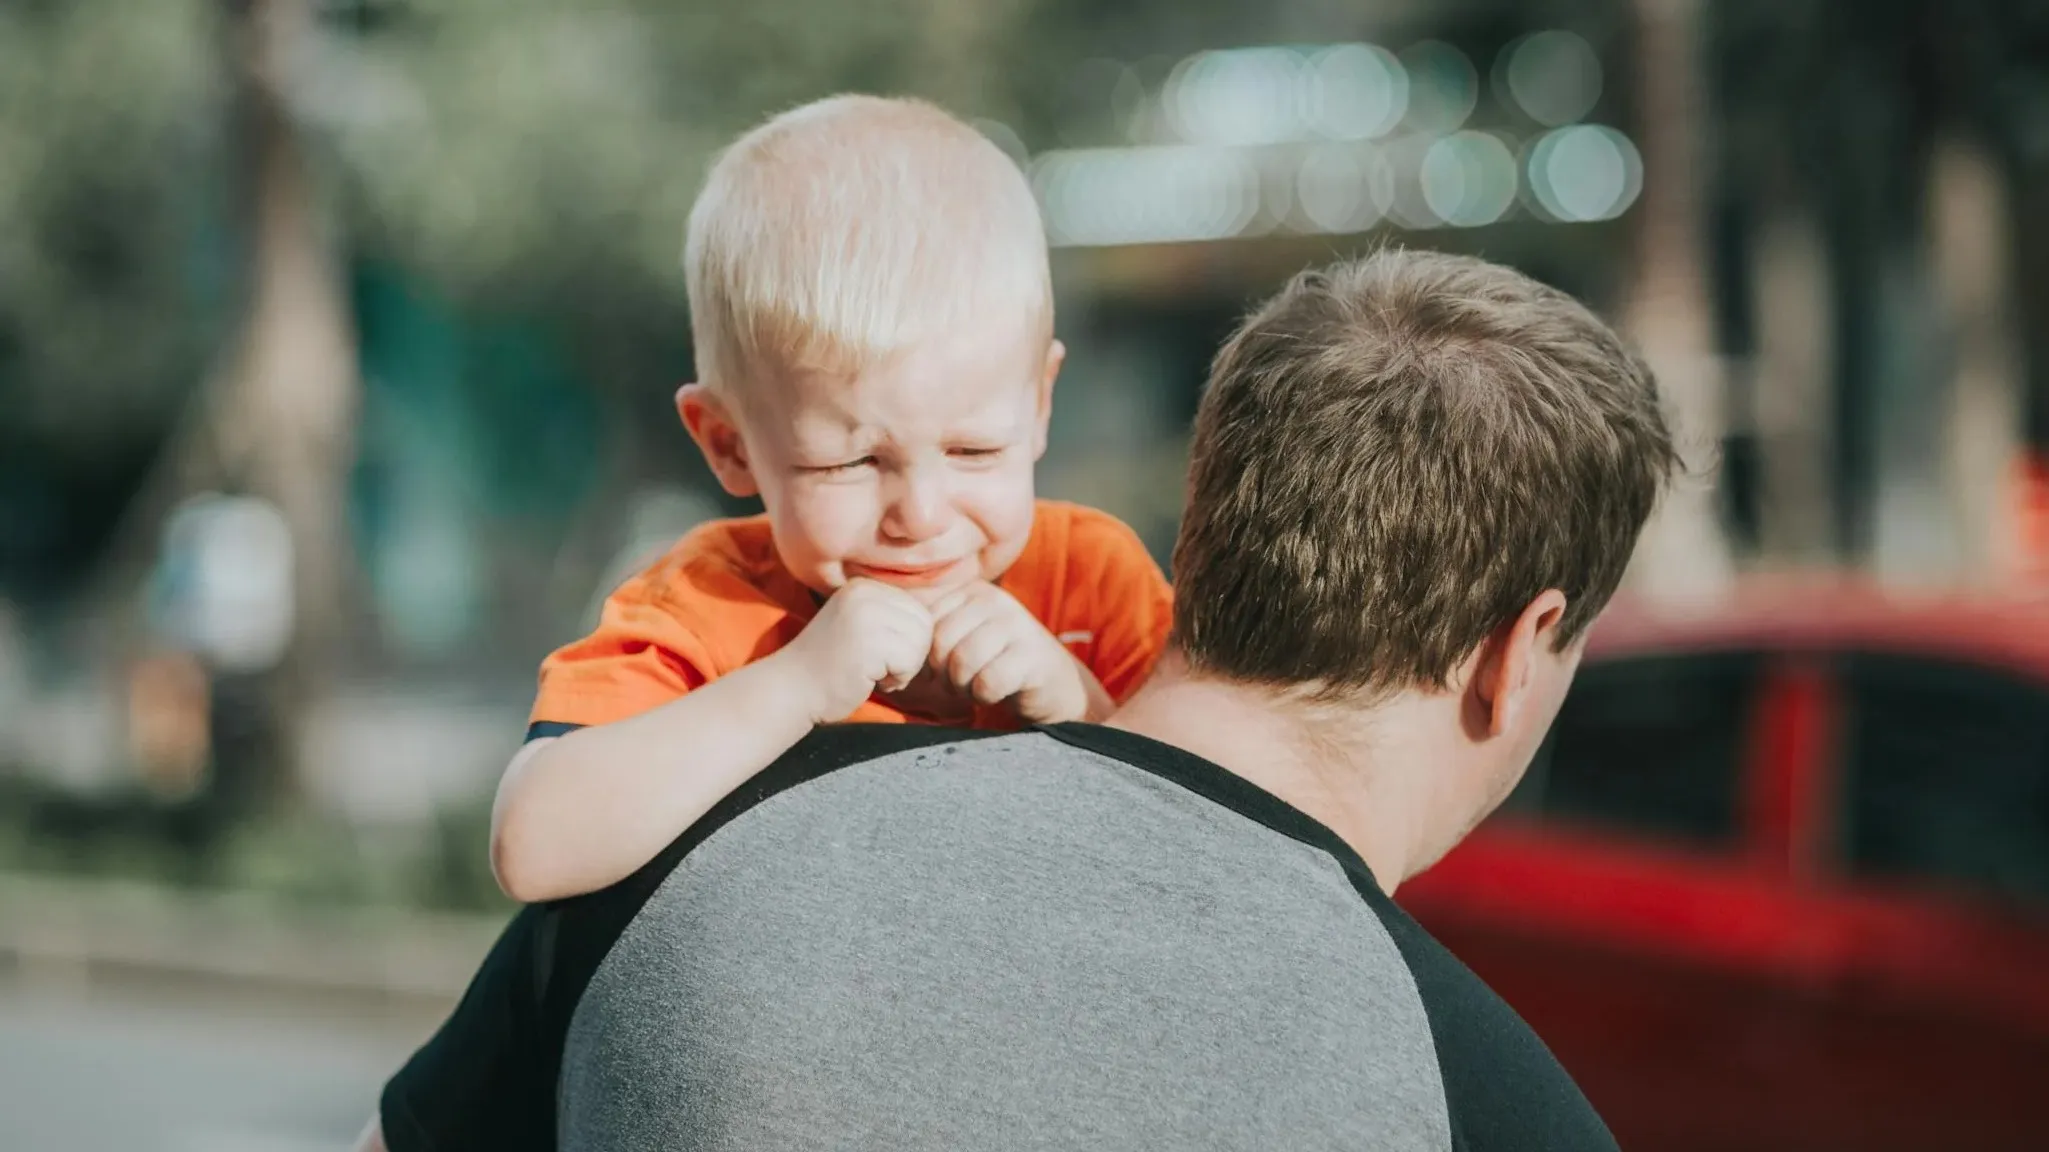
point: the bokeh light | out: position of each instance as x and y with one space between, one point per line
1344 187
1408 207
1554 77
1468 179
1102 196
1583 173
1444 88
1238 96
1356 92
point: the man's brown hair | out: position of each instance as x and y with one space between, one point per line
1394 456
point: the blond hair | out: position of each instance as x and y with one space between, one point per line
840 232
1397 454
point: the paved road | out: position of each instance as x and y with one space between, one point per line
161 1068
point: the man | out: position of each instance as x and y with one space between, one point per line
1415 481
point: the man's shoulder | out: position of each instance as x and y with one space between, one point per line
599 917
824 750
1503 1087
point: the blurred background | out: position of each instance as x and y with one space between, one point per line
337 341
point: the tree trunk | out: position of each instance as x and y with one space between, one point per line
274 421
1684 552
295 390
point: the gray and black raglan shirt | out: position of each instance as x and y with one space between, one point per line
902 937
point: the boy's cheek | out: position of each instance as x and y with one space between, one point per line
831 519
1005 503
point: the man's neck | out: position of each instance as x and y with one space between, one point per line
1350 770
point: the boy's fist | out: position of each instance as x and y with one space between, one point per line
989 646
868 636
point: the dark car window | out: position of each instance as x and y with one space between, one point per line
1650 745
1946 776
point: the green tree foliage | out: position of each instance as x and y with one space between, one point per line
110 117
526 151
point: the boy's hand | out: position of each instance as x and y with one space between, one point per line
990 647
868 636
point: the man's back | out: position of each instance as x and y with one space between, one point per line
1068 939
1415 479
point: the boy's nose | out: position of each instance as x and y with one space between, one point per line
916 511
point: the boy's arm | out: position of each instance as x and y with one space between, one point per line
372 1139
1100 702
583 811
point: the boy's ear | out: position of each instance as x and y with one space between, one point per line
710 422
1056 355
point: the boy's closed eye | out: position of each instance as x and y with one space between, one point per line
842 466
958 452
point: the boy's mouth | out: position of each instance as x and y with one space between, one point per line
905 575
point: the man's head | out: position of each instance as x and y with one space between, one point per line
872 314
1417 475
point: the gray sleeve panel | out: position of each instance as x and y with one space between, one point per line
1007 944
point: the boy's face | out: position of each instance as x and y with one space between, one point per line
916 472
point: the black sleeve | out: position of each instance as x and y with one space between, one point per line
548 729
481 1081
1503 1087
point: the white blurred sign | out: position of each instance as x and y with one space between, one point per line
224 578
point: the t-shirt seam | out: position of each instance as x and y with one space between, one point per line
1367 889
604 697
580 692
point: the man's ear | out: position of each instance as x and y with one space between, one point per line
1056 355
1506 662
710 422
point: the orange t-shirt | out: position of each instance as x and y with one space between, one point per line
721 599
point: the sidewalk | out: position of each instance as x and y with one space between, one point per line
93 928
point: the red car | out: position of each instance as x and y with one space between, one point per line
1780 878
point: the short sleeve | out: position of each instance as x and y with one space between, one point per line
643 653
1119 593
482 1082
